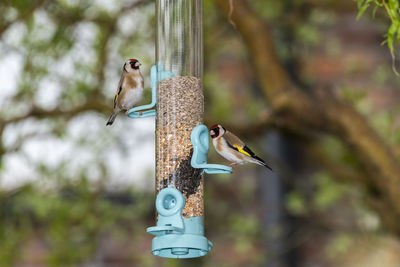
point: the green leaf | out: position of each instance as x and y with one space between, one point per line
362 7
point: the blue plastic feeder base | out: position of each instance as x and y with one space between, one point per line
176 237
190 244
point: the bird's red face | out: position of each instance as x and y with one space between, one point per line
216 131
135 64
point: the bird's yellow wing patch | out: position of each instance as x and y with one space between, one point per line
240 149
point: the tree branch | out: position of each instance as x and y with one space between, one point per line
39 113
300 111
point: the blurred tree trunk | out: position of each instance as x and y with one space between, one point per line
274 221
309 113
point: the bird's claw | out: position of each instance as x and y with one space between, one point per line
139 112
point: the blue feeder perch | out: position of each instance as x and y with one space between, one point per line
200 141
157 74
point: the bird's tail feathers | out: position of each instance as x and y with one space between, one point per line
261 162
112 118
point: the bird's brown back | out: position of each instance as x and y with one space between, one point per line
233 139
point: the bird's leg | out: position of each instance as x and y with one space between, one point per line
232 164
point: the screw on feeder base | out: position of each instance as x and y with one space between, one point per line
180 251
176 237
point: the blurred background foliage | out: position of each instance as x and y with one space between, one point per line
75 193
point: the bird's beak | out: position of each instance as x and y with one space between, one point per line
212 132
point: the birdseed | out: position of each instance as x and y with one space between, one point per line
180 108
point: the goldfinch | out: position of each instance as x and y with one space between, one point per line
130 88
232 148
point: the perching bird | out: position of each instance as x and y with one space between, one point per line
130 88
232 148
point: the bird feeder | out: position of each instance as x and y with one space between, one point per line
182 140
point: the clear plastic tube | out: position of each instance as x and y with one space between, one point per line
180 101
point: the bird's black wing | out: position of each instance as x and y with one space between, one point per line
248 150
244 150
121 81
